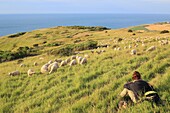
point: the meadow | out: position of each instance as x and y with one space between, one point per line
90 88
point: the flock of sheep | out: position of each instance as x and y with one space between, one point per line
51 66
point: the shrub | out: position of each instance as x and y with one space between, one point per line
38 35
130 30
54 44
97 28
16 35
164 31
70 49
35 45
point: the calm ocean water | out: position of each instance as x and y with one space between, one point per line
13 23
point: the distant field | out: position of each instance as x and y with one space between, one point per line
158 27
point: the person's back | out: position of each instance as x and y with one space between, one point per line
138 89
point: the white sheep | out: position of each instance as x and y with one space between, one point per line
83 61
73 57
30 72
68 60
86 56
133 52
73 62
79 59
54 63
22 65
151 48
50 62
63 63
35 64
44 68
54 67
130 46
59 60
14 73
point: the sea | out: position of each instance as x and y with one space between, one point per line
14 23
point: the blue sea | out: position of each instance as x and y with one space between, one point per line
13 23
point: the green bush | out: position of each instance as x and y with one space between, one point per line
71 48
97 28
20 53
16 35
164 31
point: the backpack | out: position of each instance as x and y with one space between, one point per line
153 97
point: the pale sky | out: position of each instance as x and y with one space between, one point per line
84 6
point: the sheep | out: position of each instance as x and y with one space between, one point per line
54 63
118 48
54 67
63 63
22 65
14 73
98 52
68 60
35 64
103 51
86 56
73 57
83 61
58 60
50 62
79 59
133 52
73 62
41 58
92 51
151 48
44 68
30 72
130 46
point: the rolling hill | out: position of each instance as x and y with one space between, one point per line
93 87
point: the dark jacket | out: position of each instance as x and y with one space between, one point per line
139 87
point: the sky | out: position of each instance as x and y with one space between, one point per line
84 6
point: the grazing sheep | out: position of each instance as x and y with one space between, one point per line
58 60
73 62
83 61
151 48
98 52
130 46
143 44
68 60
54 63
73 57
41 58
30 72
103 51
44 68
50 62
35 64
54 67
92 51
118 48
63 63
86 56
79 59
22 65
133 52
14 73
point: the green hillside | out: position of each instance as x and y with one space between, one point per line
93 87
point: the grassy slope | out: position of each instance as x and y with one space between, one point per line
93 87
